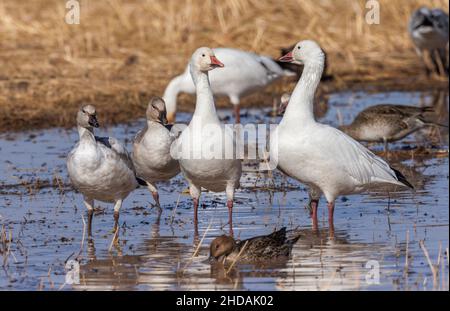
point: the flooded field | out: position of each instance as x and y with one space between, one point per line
381 242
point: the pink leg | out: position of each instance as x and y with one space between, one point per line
314 206
230 215
237 114
330 217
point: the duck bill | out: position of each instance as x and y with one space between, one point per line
216 63
288 58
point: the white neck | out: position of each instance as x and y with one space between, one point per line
300 108
205 109
171 93
86 135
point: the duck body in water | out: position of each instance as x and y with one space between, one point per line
275 246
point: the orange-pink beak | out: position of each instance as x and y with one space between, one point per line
215 62
286 58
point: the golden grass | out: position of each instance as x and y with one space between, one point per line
125 51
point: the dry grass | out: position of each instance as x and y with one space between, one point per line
125 51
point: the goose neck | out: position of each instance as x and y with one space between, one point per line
204 107
301 104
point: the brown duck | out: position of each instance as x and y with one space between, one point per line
387 123
275 246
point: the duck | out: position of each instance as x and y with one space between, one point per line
100 168
215 172
428 29
151 149
381 123
325 159
244 73
272 247
388 123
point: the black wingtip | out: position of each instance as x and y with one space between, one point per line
141 181
402 178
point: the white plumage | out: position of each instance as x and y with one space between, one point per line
243 73
318 155
99 167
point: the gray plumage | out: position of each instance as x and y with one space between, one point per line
428 29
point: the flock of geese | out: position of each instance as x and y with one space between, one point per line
327 160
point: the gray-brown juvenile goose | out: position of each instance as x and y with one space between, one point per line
151 149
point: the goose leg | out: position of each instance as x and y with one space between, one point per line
117 207
195 195
90 207
230 198
386 147
330 206
314 204
155 195
237 109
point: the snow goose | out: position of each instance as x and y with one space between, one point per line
151 149
382 123
318 155
429 32
215 172
244 73
99 167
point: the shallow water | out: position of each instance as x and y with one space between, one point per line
44 218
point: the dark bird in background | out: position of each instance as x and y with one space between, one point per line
428 29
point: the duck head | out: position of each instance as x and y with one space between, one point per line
221 247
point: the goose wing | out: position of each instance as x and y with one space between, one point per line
115 146
357 161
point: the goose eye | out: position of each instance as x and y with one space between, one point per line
203 55
217 246
298 48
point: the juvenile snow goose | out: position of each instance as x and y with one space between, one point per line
244 73
428 29
219 171
318 155
99 167
151 149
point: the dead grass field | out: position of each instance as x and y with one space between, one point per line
125 51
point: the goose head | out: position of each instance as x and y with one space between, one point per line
221 246
87 117
304 52
156 111
204 60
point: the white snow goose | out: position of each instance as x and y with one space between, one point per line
100 167
318 155
244 73
204 133
151 149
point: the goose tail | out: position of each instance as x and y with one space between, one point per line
401 178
